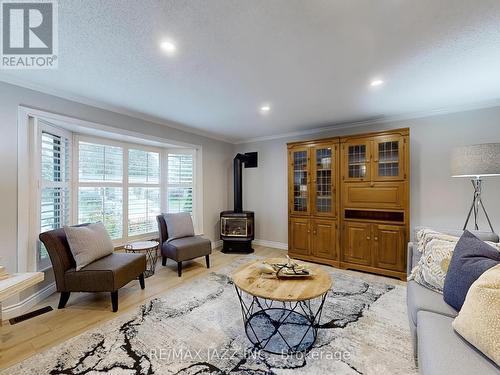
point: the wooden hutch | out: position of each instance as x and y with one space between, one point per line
349 201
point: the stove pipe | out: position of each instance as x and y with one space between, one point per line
239 159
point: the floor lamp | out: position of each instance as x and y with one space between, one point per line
476 162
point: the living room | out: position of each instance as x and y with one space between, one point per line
250 187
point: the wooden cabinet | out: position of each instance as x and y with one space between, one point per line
357 243
359 184
389 247
356 160
299 183
324 239
379 246
388 158
324 168
298 236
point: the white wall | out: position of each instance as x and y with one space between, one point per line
216 158
436 198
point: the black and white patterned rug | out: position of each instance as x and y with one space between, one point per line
197 328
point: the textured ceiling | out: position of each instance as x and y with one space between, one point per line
312 60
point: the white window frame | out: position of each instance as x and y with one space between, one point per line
125 184
196 196
26 202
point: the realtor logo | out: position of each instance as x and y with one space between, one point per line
29 34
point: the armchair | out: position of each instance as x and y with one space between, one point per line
182 249
107 274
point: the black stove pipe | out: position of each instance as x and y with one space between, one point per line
239 159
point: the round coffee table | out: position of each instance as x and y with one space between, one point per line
150 248
281 316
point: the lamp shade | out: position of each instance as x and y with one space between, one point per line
476 160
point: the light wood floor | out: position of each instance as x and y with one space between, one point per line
87 310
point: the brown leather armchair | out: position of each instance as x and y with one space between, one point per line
182 249
107 274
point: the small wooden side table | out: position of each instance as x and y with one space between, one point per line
16 283
281 316
150 248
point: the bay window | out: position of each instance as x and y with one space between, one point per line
75 178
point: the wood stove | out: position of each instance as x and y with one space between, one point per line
237 226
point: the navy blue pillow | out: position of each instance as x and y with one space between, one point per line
470 259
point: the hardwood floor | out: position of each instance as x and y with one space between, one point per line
87 310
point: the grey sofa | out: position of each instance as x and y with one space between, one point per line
438 349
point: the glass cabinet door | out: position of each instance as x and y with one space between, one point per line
388 158
299 172
356 160
324 169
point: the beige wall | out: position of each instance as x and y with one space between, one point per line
216 158
436 198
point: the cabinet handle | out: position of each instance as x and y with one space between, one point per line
314 232
376 238
368 237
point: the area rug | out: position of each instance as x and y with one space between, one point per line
197 328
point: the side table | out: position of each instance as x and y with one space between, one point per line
150 249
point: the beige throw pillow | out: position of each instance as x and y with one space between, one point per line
88 243
479 319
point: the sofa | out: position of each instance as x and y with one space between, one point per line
438 349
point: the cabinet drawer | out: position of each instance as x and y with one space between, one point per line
374 195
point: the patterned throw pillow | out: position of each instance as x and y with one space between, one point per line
425 235
479 320
437 249
433 265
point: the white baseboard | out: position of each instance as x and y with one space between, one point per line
27 304
216 244
274 244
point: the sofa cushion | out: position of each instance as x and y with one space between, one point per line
470 259
432 267
442 351
179 225
106 274
479 319
420 298
187 248
88 243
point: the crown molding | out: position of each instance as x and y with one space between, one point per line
378 120
189 130
112 108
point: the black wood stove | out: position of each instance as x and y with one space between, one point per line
237 226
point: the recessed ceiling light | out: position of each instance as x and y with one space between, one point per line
265 108
168 46
376 82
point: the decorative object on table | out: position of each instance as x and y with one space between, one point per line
181 249
107 274
288 268
476 162
150 248
479 318
281 315
471 258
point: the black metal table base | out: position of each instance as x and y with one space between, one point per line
281 327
